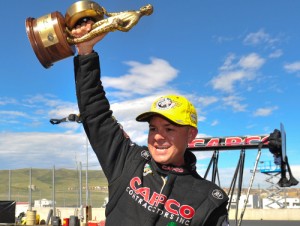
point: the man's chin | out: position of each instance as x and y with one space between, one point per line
162 161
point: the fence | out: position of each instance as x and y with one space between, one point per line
67 187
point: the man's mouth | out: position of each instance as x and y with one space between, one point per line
161 148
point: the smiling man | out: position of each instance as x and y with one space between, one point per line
172 125
154 185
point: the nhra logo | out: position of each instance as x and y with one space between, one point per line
165 103
217 194
145 154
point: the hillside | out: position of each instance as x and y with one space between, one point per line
66 186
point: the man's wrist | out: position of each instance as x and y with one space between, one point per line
85 52
84 49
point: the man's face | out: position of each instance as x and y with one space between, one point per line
167 142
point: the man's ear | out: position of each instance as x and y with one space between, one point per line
192 134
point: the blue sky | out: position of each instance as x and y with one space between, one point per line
237 61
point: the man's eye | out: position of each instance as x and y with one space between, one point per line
151 129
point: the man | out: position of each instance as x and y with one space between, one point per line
154 185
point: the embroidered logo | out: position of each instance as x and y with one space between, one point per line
172 210
171 168
217 194
165 103
145 154
147 169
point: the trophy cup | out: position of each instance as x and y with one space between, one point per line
50 35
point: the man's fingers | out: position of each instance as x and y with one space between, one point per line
87 27
81 29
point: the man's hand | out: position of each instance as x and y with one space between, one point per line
85 48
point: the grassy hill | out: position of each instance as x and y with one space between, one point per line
66 186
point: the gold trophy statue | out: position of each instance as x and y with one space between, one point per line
50 35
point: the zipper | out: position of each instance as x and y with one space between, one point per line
164 179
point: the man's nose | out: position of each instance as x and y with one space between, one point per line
159 136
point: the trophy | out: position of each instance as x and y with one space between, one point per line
51 38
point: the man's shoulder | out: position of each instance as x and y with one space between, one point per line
211 190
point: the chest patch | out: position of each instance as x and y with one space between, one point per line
147 169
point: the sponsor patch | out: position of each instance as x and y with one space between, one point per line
145 154
217 194
147 169
159 204
171 168
165 103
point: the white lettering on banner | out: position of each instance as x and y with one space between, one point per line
173 210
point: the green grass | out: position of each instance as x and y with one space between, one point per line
66 186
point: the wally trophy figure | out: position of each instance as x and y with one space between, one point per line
149 185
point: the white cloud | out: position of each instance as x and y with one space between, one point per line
265 111
276 54
143 78
38 108
225 81
252 61
46 149
7 100
43 150
47 105
134 107
257 37
228 63
292 67
260 37
222 39
203 154
234 102
201 118
13 114
126 112
64 110
207 100
45 99
16 118
215 122
232 74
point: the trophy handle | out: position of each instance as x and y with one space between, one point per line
81 10
48 38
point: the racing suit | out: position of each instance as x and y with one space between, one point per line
141 192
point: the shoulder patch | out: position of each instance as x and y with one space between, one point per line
145 154
218 194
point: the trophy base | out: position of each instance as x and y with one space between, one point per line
48 38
